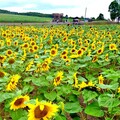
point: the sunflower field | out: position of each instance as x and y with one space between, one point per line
60 72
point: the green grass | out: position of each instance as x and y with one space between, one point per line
22 18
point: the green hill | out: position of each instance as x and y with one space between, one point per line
22 18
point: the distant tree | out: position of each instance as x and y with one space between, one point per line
114 9
100 17
92 18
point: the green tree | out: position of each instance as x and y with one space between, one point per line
100 17
114 9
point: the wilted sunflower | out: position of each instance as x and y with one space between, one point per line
11 60
19 102
13 82
58 78
53 52
42 111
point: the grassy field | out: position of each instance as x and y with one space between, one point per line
22 18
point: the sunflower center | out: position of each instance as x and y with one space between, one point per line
19 101
53 52
1 74
40 113
11 61
57 79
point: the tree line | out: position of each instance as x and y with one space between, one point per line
27 13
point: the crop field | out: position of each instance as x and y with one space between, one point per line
22 18
60 72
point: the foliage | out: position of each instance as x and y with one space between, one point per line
60 71
114 9
100 17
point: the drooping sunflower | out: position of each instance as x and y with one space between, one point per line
58 78
2 58
53 52
42 110
19 102
106 57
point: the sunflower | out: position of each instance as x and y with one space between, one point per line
2 58
80 52
9 52
95 58
42 110
2 74
45 66
58 78
73 50
11 60
19 102
35 47
75 80
53 52
82 85
106 57
100 79
100 51
112 46
13 82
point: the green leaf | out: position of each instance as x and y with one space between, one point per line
93 109
18 114
112 87
27 89
58 117
50 96
88 95
73 107
23 118
106 100
4 96
41 81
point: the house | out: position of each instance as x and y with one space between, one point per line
57 17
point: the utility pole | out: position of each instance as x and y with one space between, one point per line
85 13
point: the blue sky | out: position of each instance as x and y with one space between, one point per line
67 7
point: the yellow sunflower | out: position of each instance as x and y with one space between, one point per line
58 78
112 46
100 51
95 58
11 60
9 52
19 102
53 52
80 52
45 66
100 79
42 110
13 82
